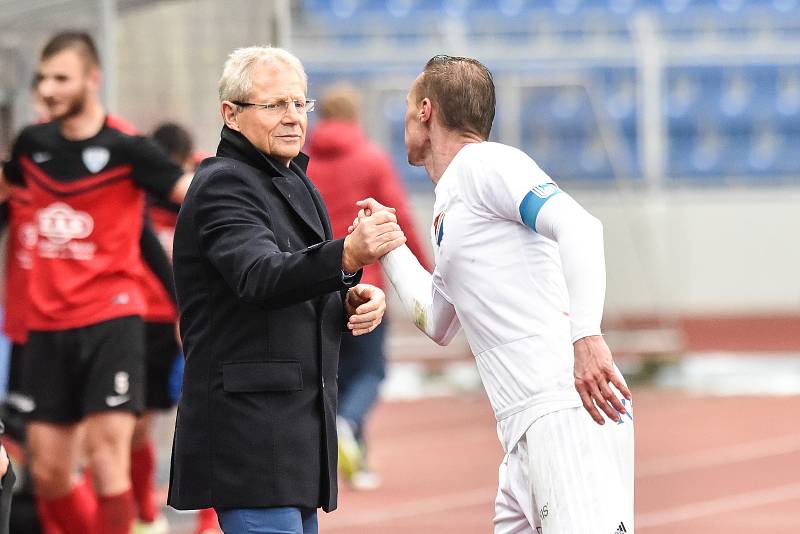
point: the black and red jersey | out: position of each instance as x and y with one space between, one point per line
163 215
159 300
87 199
157 284
21 246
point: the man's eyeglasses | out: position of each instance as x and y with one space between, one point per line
280 107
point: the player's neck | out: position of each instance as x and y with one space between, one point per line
85 124
444 148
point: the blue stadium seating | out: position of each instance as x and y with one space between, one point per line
512 8
738 119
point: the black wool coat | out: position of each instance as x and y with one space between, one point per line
260 291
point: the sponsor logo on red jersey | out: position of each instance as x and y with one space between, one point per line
61 226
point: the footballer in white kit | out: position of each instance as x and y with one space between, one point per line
520 266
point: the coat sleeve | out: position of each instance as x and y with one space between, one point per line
235 233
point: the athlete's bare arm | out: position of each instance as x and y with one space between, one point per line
181 186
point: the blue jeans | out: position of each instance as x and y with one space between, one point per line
279 520
362 368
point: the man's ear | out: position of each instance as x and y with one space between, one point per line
230 115
95 77
425 110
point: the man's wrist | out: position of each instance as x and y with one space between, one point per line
349 265
586 338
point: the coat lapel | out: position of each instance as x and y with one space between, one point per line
300 200
295 187
299 165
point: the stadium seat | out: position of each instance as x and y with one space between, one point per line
787 92
766 146
721 118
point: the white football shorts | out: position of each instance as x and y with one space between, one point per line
568 475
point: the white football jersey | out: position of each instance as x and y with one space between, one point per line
505 282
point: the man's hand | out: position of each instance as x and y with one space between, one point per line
364 307
367 207
375 236
594 370
3 461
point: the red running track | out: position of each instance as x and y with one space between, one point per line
705 465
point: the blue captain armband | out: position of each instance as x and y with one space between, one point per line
532 203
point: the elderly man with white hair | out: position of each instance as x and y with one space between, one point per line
265 294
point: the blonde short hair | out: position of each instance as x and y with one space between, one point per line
340 101
236 83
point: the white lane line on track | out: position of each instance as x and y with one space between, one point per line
731 503
720 456
416 508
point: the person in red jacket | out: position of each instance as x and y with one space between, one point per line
346 167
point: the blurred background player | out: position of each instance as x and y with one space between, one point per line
160 295
163 353
177 143
347 167
21 244
85 356
164 356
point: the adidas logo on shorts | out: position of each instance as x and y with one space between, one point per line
621 528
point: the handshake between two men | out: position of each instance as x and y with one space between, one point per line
374 234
